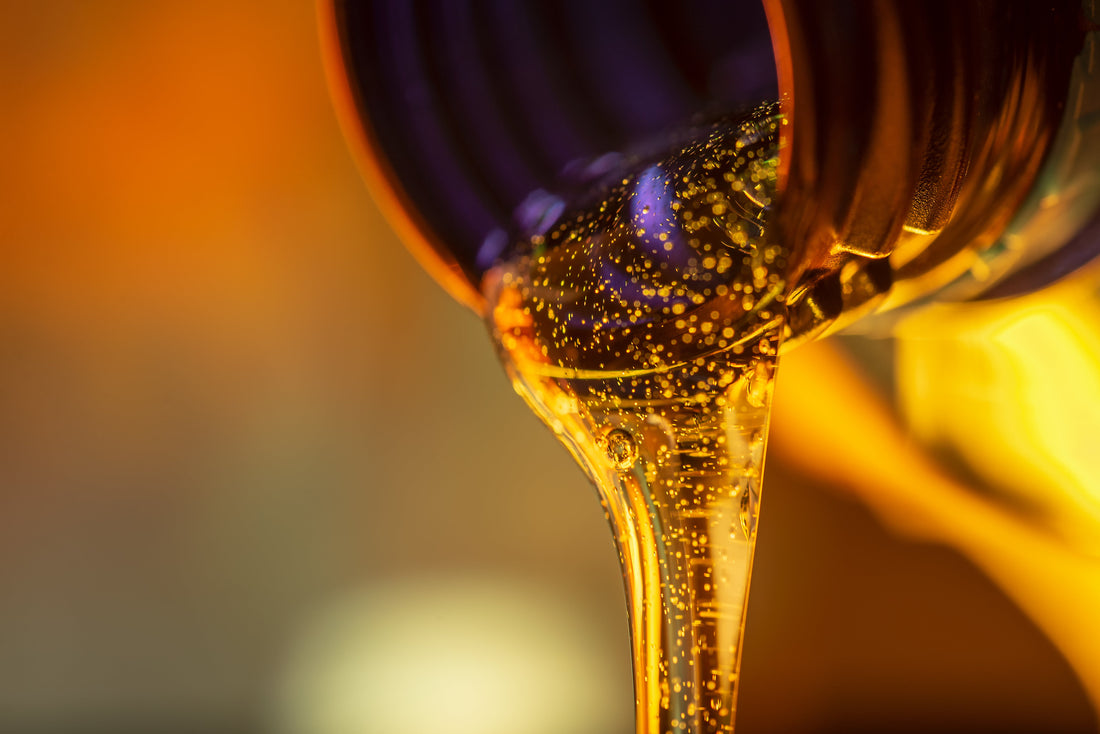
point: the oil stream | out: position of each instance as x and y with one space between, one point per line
642 324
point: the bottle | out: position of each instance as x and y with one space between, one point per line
925 133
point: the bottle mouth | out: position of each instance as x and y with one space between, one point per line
476 106
917 129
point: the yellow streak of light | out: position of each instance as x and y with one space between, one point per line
1013 389
830 423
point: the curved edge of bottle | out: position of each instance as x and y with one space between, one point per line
381 181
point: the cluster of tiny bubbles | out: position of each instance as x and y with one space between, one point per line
665 269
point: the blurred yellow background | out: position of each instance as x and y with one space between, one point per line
258 473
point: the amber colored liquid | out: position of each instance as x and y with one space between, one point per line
643 329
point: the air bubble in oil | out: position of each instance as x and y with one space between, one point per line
621 448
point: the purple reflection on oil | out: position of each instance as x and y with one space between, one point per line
657 235
655 223
538 213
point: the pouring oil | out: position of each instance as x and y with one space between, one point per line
642 325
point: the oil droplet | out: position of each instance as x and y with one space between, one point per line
748 512
759 384
621 448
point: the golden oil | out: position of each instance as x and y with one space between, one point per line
643 327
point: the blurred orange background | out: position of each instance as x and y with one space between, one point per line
233 410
